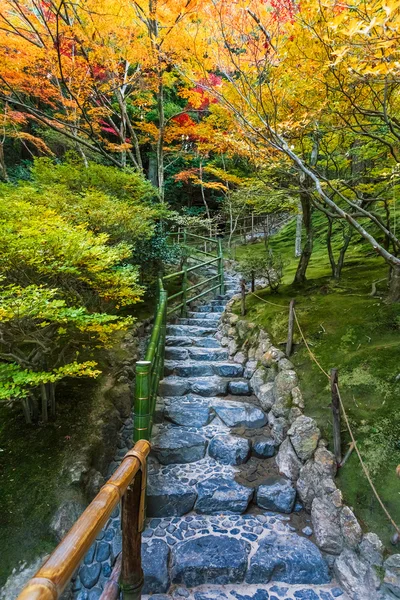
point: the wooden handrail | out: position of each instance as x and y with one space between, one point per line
54 575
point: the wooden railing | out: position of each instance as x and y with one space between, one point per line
128 483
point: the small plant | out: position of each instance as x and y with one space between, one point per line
269 267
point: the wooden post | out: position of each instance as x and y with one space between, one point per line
142 401
131 569
111 589
337 442
252 226
289 343
243 297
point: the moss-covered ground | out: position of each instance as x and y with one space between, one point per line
358 334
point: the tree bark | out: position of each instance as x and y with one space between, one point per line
299 229
300 277
394 286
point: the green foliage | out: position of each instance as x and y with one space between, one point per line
70 245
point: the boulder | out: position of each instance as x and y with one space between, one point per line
263 446
355 576
304 435
391 581
208 386
240 358
188 411
250 368
288 558
279 427
284 382
297 398
155 556
173 386
371 549
351 530
238 413
287 460
285 365
178 445
276 494
259 378
222 494
229 449
325 517
209 559
316 477
167 497
266 395
232 346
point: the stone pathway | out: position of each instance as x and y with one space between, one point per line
222 523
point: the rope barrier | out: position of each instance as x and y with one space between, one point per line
268 302
363 465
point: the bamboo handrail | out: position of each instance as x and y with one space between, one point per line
54 575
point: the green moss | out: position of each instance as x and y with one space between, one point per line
359 335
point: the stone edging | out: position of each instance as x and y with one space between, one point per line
356 559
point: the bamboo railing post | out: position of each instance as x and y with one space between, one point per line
184 290
132 578
337 440
142 401
289 343
163 299
221 268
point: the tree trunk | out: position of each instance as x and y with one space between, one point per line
160 141
343 250
394 286
3 168
43 393
306 253
299 228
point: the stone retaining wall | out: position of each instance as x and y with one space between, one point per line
356 558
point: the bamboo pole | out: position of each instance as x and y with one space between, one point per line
53 576
337 441
142 401
132 578
289 343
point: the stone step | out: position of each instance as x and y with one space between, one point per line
209 316
211 308
194 368
206 354
230 549
205 322
187 341
191 330
203 386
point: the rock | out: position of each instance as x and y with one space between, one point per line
307 530
208 386
240 358
350 527
232 347
266 395
356 576
155 556
315 478
229 449
285 365
294 413
251 366
89 575
288 462
221 494
325 517
235 413
304 435
188 411
65 516
371 549
391 581
239 387
279 427
284 382
178 445
259 378
271 356
167 497
173 386
288 558
211 595
276 494
297 398
209 559
263 447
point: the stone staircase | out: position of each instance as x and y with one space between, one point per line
222 523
